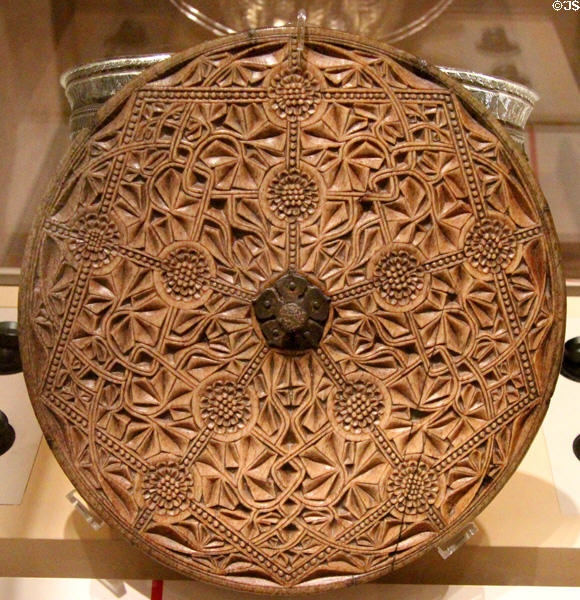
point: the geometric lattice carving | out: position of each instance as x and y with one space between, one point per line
430 275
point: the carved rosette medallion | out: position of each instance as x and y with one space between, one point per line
225 408
399 278
294 195
359 407
166 489
294 92
184 274
96 240
490 246
289 318
413 487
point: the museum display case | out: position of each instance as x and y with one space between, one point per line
362 321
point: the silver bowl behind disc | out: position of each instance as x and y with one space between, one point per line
89 86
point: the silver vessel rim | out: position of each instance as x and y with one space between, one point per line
491 82
110 65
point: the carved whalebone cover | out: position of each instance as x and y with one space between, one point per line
291 317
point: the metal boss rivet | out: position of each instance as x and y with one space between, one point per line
298 314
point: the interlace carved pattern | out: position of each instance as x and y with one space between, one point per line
260 468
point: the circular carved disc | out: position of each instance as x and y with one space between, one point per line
290 319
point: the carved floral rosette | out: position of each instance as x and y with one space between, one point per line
289 318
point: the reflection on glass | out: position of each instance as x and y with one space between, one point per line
389 21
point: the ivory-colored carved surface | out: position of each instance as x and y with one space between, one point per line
425 264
